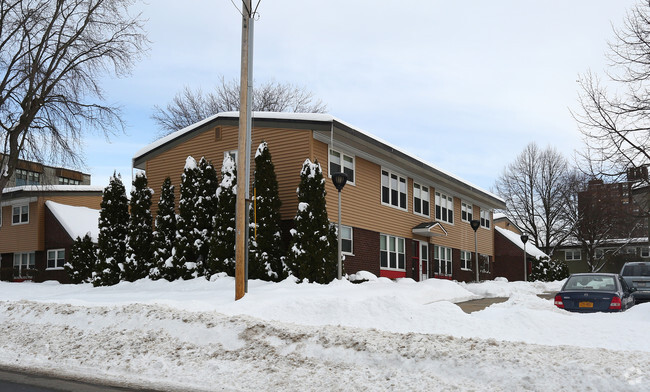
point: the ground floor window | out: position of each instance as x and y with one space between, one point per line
484 262
572 254
392 252
346 239
465 260
442 261
645 252
55 258
24 264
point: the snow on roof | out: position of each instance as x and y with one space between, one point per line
321 117
498 215
77 221
531 249
54 188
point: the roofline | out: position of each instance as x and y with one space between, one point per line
48 190
314 122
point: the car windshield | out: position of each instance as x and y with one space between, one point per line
636 270
590 282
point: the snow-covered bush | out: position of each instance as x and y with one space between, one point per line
139 247
83 256
165 234
184 260
266 255
313 248
111 242
548 270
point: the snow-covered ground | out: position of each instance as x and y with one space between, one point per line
376 336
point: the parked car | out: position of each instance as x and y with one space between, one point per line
595 292
637 276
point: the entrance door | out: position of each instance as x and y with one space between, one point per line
424 260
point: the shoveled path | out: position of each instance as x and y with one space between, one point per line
480 304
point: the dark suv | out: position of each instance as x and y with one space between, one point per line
637 276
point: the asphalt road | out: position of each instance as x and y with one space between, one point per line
12 381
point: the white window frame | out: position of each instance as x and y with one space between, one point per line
484 260
466 211
20 214
58 262
30 177
343 164
444 202
465 260
233 154
443 255
569 255
486 222
26 260
644 251
390 245
344 239
399 180
421 198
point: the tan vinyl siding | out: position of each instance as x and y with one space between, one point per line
289 148
23 237
93 202
361 207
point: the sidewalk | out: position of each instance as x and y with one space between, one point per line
480 304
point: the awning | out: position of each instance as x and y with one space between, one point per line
430 229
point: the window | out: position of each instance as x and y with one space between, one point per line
444 208
26 177
573 254
232 154
347 164
20 214
485 218
645 251
420 199
484 262
346 239
68 181
393 189
466 212
442 260
599 254
55 258
392 252
465 260
24 263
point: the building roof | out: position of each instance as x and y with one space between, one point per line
531 249
77 221
318 122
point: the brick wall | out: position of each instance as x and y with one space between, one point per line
366 252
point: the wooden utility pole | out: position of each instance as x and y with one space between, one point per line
244 151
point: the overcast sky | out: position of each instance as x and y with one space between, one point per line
464 85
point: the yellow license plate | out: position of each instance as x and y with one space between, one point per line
586 304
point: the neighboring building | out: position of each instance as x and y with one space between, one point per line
612 253
32 173
509 257
35 228
502 221
402 217
613 229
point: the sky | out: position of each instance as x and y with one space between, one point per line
463 85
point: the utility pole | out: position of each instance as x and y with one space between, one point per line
244 152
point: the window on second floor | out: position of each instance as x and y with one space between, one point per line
20 214
485 219
340 162
26 177
572 254
444 208
68 181
393 189
420 199
466 212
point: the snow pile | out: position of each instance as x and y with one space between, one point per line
377 335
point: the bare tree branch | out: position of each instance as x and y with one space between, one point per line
190 106
52 54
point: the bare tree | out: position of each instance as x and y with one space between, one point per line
615 113
190 106
534 188
52 55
